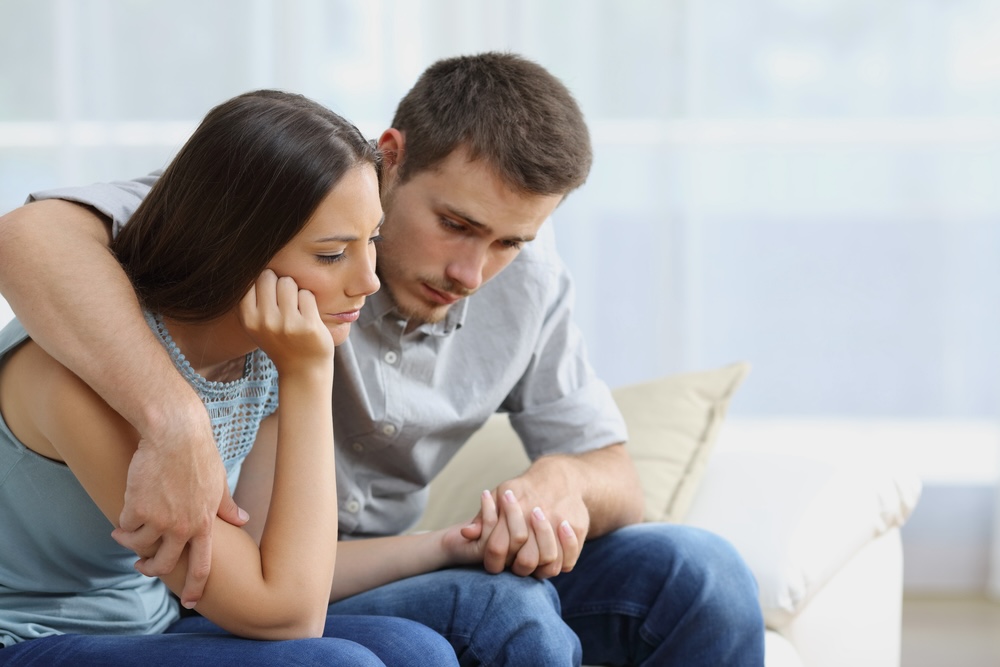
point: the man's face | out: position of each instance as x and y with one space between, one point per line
448 231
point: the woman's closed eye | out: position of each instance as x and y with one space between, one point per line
330 259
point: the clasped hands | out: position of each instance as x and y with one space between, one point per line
515 530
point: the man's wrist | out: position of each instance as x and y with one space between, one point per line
161 417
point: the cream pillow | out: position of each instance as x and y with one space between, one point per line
672 425
672 422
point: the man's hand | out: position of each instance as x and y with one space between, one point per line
536 552
580 494
537 530
475 542
176 486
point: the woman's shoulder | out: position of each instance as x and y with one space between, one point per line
40 398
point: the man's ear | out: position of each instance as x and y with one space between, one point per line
392 144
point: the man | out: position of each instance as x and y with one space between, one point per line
473 318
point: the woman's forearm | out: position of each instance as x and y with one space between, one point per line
279 588
366 564
298 547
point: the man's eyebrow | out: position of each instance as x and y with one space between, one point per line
483 227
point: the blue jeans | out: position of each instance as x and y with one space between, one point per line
649 594
348 641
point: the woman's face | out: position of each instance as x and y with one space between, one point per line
333 256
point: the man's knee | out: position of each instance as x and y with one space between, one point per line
687 566
521 622
705 574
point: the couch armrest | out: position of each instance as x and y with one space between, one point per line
797 521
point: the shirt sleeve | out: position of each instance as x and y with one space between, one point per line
560 405
117 200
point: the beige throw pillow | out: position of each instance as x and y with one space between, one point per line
672 422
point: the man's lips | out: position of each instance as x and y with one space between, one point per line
443 298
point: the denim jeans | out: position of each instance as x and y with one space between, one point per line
657 594
348 641
651 594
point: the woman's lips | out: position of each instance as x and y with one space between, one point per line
349 316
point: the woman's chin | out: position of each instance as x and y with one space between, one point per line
339 332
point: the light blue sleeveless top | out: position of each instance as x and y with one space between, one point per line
60 571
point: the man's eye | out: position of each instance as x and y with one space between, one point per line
511 245
451 224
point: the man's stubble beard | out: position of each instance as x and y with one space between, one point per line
414 316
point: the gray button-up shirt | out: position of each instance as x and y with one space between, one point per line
403 403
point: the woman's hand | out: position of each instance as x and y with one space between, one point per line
470 543
284 321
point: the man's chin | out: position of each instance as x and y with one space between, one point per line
418 315
417 312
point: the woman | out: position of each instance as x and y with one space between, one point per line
252 256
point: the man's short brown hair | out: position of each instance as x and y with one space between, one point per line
504 109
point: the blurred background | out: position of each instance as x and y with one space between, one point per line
808 185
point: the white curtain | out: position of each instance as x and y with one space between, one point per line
809 185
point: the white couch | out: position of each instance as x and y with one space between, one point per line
821 537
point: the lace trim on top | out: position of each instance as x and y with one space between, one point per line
235 408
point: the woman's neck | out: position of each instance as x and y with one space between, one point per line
215 349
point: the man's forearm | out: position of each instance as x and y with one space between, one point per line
605 478
75 301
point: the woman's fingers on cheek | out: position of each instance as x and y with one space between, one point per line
266 282
287 295
307 304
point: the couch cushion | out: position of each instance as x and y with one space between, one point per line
672 422
807 520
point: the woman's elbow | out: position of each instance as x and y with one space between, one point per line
300 621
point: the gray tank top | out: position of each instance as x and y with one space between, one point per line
60 570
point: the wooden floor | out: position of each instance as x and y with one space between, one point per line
950 632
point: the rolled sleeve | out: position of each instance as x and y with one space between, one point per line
117 200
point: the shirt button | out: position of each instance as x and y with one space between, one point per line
353 506
390 357
358 447
388 429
